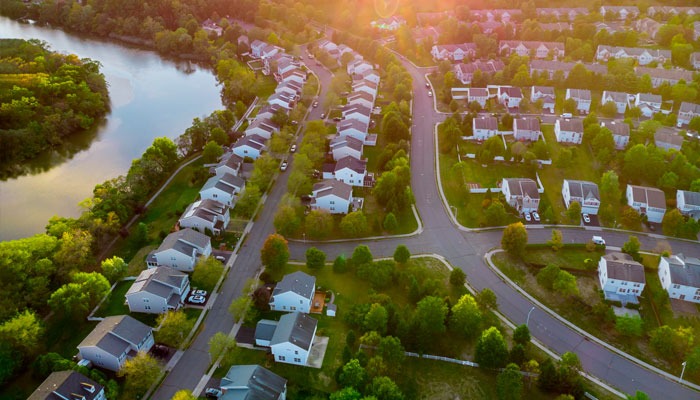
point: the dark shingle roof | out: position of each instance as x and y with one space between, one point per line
522 187
691 198
64 385
623 267
296 328
583 189
264 329
114 334
298 282
252 382
684 270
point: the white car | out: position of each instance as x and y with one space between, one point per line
283 167
198 292
430 94
293 149
527 217
196 299
586 218
213 393
315 104
536 216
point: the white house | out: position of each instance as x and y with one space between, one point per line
332 196
365 86
568 130
68 385
296 76
206 214
531 49
687 112
114 340
546 95
249 146
510 96
256 48
179 250
620 99
695 57
648 103
582 97
370 75
465 71
262 127
358 67
484 127
660 75
688 203
621 278
526 128
479 95
647 201
680 277
252 382
157 290
293 337
521 193
621 12
667 138
351 171
346 146
361 98
230 164
358 112
294 292
620 132
584 192
289 87
223 188
453 52
281 99
270 110
642 55
353 128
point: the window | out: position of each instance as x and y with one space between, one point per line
296 352
281 358
301 301
214 195
696 297
332 202
676 286
292 308
297 360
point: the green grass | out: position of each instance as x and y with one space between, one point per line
115 304
568 258
266 86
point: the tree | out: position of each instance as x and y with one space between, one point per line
609 109
383 388
496 214
248 201
274 253
632 247
24 332
402 254
672 343
211 153
287 221
140 373
458 277
315 258
565 283
491 349
630 218
207 273
347 393
574 212
693 359
466 316
361 255
184 395
548 380
318 224
672 223
74 254
521 335
514 239
548 275
352 375
639 395
629 325
429 319
390 223
174 328
114 268
376 319
509 384
77 298
354 224
340 264
392 351
222 345
556 241
487 299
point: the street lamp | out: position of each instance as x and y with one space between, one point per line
682 371
527 321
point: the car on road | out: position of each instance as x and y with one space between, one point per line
213 393
427 84
536 216
294 122
221 258
197 299
293 148
311 56
323 115
586 218
430 94
198 292
598 240
337 119
527 217
315 104
283 166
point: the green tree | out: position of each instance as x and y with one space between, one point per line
207 273
383 388
347 393
629 325
361 255
672 343
287 221
390 223
556 241
174 328
573 213
672 222
632 247
248 201
514 239
496 214
402 254
491 349
466 316
458 277
693 359
184 395
222 345
630 218
392 351
354 224
318 224
509 384
608 109
24 332
274 253
429 319
639 395
340 264
75 253
376 319
487 299
114 268
565 283
140 373
521 335
315 258
77 298
548 275
211 153
352 375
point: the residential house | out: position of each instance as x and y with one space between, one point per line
114 340
539 50
667 138
262 127
680 277
696 30
620 132
510 96
526 128
243 42
648 26
206 214
332 196
294 292
180 249
427 34
249 146
256 48
621 278
549 68
488 27
479 95
453 52
687 112
269 51
620 12
351 171
354 128
223 188
546 94
285 63
584 192
281 99
268 111
357 112
620 99
610 26
647 201
642 55
264 330
297 76
358 67
361 98
688 203
370 75
68 385
566 14
582 97
252 382
210 27
485 127
293 337
388 24
229 164
521 193
465 72
660 75
568 130
158 290
664 12
650 104
695 58
365 86
346 146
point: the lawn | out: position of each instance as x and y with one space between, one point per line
265 86
115 305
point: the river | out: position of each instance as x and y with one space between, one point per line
150 96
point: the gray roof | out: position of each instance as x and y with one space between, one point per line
207 209
684 270
571 125
687 107
691 198
669 136
254 141
653 197
296 328
159 280
486 122
478 92
357 108
63 385
297 282
674 74
618 128
353 163
332 187
649 98
184 241
618 97
346 141
623 267
579 94
115 334
527 123
252 382
264 329
352 124
522 187
583 189
543 90
231 160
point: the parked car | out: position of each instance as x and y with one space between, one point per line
427 84
221 258
536 216
315 104
293 148
586 218
197 299
527 217
213 393
283 167
598 240
323 115
430 94
198 292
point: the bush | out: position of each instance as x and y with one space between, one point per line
457 277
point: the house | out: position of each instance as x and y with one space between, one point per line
281 99
249 146
680 277
510 96
269 51
546 94
262 126
584 192
256 48
648 26
346 146
660 75
453 52
620 132
158 290
365 86
688 203
68 384
568 130
289 87
648 103
361 98
210 26
582 97
484 127
114 340
354 128
465 72
620 12
667 139
567 14
609 26
206 214
351 171
332 196
687 112
647 201
388 24
667 11
358 67
229 164
695 58
252 382
621 278
427 34
180 249
642 55
526 128
370 75
268 111
549 68
521 193
479 95
294 292
297 76
556 26
620 99
357 112
293 337
223 188
531 49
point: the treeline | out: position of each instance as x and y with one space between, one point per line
45 97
